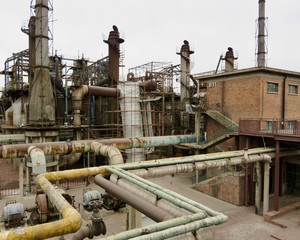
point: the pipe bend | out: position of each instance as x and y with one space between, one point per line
114 155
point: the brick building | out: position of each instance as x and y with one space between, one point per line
261 106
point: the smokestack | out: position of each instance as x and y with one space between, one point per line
261 38
229 60
114 42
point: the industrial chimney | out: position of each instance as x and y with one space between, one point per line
185 53
229 60
261 37
41 100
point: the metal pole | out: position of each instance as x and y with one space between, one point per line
277 176
258 188
266 187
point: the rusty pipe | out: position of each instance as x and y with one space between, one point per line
150 210
67 147
149 85
80 92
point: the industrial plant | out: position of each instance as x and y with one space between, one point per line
74 125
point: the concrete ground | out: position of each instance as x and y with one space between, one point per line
243 223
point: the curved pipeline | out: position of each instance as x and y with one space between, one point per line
71 221
80 92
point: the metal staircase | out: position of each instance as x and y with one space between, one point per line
223 120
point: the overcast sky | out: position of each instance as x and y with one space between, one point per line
154 30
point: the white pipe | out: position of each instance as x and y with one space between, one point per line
114 155
266 187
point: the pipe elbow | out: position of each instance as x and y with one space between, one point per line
78 95
113 154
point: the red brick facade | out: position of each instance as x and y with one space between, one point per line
244 94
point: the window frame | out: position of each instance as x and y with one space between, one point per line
296 89
276 85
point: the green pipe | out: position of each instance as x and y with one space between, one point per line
183 229
194 158
171 196
157 227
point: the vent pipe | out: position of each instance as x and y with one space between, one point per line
114 42
261 38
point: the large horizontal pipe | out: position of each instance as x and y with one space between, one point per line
8 138
161 192
149 197
150 210
67 147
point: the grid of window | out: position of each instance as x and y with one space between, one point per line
272 87
293 89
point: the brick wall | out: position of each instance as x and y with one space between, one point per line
227 187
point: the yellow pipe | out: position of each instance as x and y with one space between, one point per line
71 220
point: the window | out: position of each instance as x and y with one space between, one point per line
293 89
272 87
291 124
269 125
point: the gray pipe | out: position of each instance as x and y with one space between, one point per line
96 228
149 197
172 197
155 213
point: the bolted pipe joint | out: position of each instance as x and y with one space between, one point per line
97 222
90 230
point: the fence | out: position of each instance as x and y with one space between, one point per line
65 184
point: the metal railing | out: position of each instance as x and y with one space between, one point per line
270 127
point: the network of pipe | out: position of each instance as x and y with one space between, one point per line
61 113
